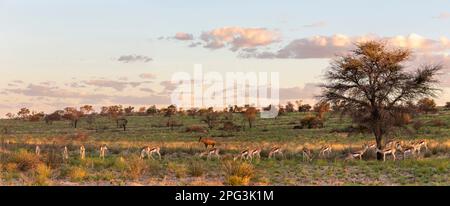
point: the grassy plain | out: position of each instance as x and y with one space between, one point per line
180 164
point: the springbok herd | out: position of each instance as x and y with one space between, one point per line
391 148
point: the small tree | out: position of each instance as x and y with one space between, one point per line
290 107
304 108
152 110
447 106
104 111
371 84
427 105
129 110
10 115
321 108
71 113
211 119
86 109
171 110
23 113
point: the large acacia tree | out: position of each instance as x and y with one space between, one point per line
372 84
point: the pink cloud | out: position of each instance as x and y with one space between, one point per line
183 36
238 37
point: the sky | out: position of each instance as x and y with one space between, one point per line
55 54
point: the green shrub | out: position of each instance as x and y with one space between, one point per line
178 170
25 160
154 167
196 169
311 122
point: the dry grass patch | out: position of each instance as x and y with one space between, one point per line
77 174
237 173
42 173
135 168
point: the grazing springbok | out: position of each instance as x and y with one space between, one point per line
391 151
359 153
149 152
213 151
82 152
207 141
65 153
325 149
390 143
274 151
407 149
418 146
37 151
307 154
255 153
103 150
371 145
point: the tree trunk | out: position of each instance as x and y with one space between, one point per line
378 138
379 147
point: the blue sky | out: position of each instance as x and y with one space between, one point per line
68 42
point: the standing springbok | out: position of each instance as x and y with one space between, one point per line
214 151
37 151
307 154
390 151
325 149
65 153
242 155
255 153
275 150
149 152
103 150
82 152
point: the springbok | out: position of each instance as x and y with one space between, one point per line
325 149
149 152
103 150
37 151
307 154
371 145
82 152
407 149
390 151
359 153
65 153
275 150
255 153
418 146
242 155
213 151
390 143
